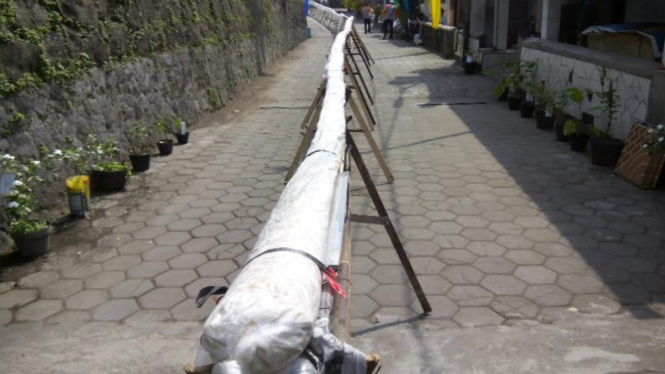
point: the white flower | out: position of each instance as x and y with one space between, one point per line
36 163
13 204
8 157
645 146
18 183
661 139
57 152
660 127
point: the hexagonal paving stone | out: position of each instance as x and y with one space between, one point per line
460 274
363 306
494 265
565 265
470 295
535 274
39 279
525 257
486 249
442 307
479 234
149 232
148 269
5 317
14 298
635 265
234 236
456 256
392 295
477 316
187 310
104 280
389 274
218 268
514 307
80 271
446 227
208 231
217 218
184 224
162 298
61 289
650 282
627 294
86 299
506 285
173 238
199 245
115 310
161 253
122 262
136 247
188 261
514 242
580 283
131 288
176 278
548 295
595 304
39 310
425 265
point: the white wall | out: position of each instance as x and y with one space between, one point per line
645 11
633 90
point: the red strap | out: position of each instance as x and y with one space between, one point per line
331 276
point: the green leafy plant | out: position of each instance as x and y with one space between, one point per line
140 139
576 96
515 76
162 129
21 202
655 141
609 98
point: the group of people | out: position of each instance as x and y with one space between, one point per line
388 14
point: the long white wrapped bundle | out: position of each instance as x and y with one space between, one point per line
267 317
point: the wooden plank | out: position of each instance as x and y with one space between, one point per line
372 142
317 101
359 74
358 89
304 144
390 229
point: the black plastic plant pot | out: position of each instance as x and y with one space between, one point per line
165 147
182 139
109 181
140 162
544 122
32 244
605 151
579 141
470 67
560 137
527 108
514 102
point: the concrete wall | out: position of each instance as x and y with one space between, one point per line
562 65
445 40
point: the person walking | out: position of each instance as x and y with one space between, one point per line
389 13
367 12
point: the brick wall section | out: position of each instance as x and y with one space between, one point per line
635 164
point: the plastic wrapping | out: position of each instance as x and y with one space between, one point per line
267 317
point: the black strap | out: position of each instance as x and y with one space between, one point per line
315 260
320 150
206 292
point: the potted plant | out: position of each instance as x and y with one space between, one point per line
545 103
140 145
165 144
562 99
470 66
605 150
514 80
575 128
528 70
180 130
30 235
107 174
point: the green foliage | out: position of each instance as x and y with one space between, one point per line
27 226
13 124
140 139
162 128
515 76
609 97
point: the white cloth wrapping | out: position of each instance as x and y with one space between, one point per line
267 317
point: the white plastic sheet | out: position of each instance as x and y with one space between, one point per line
267 317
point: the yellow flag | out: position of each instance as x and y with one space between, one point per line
435 8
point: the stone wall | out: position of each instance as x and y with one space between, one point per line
69 68
562 65
75 67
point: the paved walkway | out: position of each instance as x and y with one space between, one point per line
504 226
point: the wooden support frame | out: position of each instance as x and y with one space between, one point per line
357 72
318 99
364 127
358 51
358 89
384 219
361 44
